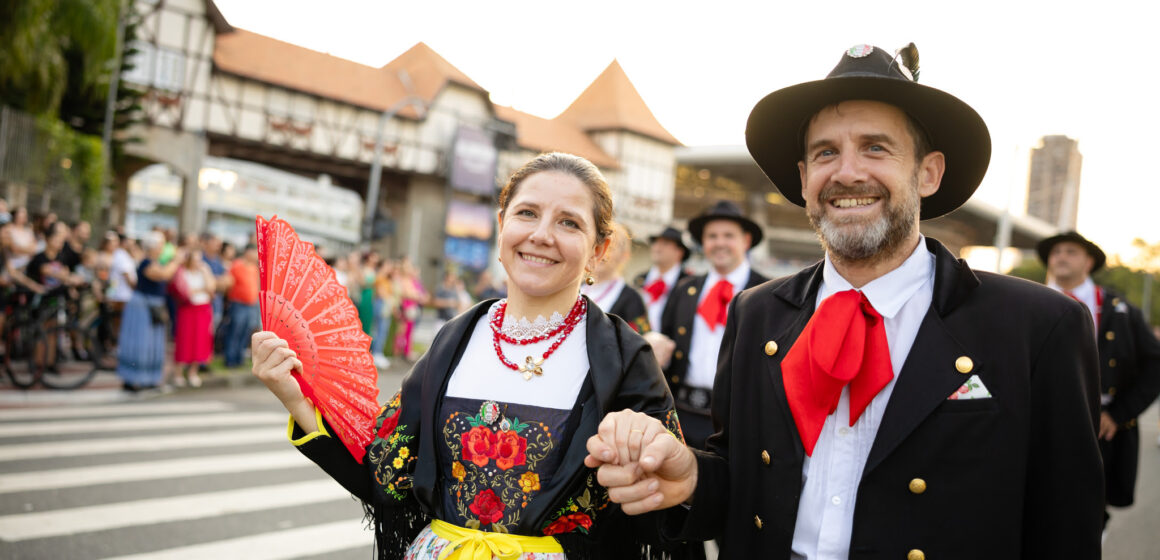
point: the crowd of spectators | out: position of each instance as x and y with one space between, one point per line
170 304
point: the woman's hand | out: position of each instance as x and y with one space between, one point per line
274 364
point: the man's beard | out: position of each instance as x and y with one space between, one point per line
877 240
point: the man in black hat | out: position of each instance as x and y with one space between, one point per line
668 254
1129 357
694 317
887 402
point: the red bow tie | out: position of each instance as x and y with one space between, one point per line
715 307
655 289
844 343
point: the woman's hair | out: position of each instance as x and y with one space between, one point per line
577 167
152 240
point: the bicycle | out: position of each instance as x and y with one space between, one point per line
48 344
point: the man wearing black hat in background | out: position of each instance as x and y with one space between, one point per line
1129 357
694 317
668 254
887 402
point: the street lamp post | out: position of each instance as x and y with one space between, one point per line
372 201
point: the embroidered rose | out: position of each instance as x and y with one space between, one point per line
567 523
510 450
488 507
479 445
529 482
488 412
388 426
458 471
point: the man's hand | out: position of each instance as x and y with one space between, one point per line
644 467
1107 426
662 347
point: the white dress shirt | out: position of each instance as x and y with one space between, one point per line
831 476
1085 293
706 343
657 308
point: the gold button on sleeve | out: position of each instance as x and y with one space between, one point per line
764 456
915 554
917 486
681 331
964 364
770 348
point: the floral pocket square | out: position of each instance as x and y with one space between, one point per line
972 389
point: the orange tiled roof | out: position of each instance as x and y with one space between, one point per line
612 103
258 57
551 135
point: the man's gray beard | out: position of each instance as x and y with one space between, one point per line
873 242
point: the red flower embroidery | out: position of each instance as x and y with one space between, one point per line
567 523
510 450
389 424
479 445
488 507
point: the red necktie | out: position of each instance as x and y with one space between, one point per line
844 343
715 307
655 289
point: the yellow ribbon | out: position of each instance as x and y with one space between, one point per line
470 544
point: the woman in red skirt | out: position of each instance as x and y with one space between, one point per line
193 288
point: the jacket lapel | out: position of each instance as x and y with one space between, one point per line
799 292
928 376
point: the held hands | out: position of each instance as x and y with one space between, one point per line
641 464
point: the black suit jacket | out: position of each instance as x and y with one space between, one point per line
677 323
629 305
1014 476
1130 375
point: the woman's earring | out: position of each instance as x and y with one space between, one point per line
589 280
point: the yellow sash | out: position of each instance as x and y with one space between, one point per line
470 544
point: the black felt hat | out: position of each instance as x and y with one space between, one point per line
775 133
725 210
672 234
1098 257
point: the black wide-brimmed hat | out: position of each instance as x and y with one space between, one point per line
672 234
725 210
1098 257
775 133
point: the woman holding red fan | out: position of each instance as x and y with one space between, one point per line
480 455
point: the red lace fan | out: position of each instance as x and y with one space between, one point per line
302 302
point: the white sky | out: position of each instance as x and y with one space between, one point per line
1030 68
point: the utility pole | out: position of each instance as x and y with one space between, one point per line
372 201
111 105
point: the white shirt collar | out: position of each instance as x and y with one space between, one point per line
669 277
738 277
1085 292
889 292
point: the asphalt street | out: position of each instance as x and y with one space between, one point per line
208 473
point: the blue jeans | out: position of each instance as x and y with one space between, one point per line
381 327
243 321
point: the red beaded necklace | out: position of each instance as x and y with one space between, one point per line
532 365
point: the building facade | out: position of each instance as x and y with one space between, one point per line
1053 182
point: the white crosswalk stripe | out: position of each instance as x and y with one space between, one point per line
280 545
78 504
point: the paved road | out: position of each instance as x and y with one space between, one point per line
208 474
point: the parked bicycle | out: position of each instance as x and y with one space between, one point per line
50 341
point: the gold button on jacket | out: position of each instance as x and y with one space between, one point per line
764 456
964 364
678 354
1111 335
692 290
681 331
915 554
918 486
770 348
757 521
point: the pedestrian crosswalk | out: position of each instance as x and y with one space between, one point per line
167 479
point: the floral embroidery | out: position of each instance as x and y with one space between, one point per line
569 523
479 445
673 425
488 507
389 453
577 513
529 482
495 465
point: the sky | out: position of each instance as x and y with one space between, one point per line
1030 68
